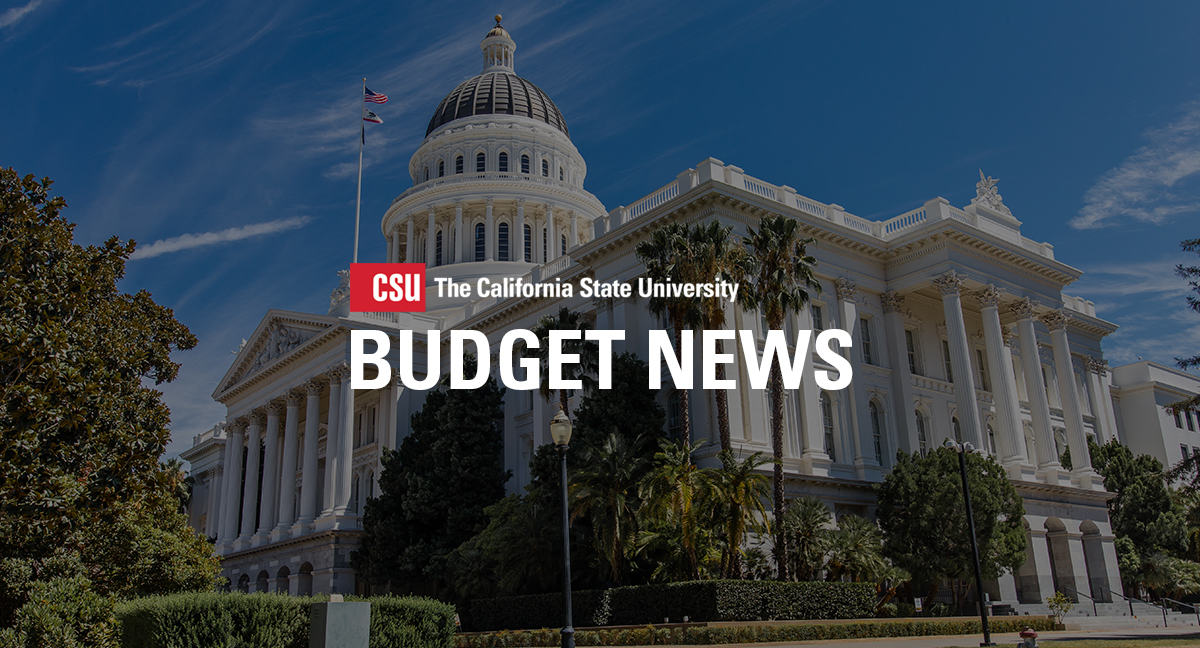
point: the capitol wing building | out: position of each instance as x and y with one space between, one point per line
960 328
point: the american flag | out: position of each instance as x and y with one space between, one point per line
371 97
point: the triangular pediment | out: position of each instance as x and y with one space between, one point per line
278 335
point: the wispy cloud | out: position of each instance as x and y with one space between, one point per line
1151 185
14 15
1132 279
189 241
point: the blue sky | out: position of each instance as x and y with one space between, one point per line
233 125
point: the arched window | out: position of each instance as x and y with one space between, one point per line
876 431
504 161
564 244
480 162
560 174
502 242
437 249
922 439
957 429
545 168
827 424
479 242
426 174
441 168
528 244
525 164
458 164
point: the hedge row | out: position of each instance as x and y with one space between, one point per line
211 620
702 635
714 600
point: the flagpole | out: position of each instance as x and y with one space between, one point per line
362 136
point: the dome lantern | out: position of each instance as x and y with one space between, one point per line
498 48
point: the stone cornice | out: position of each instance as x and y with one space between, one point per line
310 347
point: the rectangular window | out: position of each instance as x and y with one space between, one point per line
827 423
1178 420
1191 425
864 326
1183 451
946 361
983 377
911 345
818 318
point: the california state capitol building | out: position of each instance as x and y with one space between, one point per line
961 329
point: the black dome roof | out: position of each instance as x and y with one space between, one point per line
497 93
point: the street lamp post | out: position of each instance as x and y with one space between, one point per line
962 450
560 431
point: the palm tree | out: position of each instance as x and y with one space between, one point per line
565 320
716 255
806 526
529 560
742 490
856 550
778 285
668 258
674 494
605 490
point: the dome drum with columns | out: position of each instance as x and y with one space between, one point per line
497 183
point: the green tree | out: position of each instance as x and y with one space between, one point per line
740 490
716 255
674 496
668 257
924 523
587 350
806 526
434 490
779 284
605 490
856 550
82 432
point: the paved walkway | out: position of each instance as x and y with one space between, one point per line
1004 639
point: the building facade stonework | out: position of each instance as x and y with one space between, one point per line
960 329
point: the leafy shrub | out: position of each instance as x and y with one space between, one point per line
699 635
888 611
211 620
715 600
63 613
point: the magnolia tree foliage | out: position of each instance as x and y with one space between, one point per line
82 432
924 520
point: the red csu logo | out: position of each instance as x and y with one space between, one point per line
387 287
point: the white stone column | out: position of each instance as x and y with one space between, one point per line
574 230
287 480
345 457
1102 407
430 240
332 427
408 243
814 460
270 484
394 257
489 231
308 476
457 243
551 239
520 234
1081 461
233 482
1008 408
1035 387
906 417
950 285
1010 377
250 492
860 421
212 517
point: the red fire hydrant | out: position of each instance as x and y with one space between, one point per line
1029 637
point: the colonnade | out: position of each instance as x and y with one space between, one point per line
244 522
458 227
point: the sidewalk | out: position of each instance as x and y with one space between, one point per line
970 641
